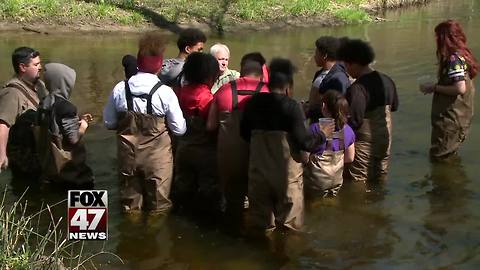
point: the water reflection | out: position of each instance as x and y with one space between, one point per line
349 232
144 242
446 223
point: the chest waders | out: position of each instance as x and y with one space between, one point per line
275 187
372 146
233 152
144 156
451 119
323 173
196 178
61 162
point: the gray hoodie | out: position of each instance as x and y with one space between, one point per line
59 80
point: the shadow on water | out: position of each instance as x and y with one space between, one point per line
351 231
446 224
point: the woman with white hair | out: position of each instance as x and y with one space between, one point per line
222 54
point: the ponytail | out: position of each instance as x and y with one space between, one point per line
337 105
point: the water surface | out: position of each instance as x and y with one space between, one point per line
423 217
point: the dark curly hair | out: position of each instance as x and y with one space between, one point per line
329 46
190 37
201 68
281 73
356 51
253 56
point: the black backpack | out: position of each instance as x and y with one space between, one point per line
21 148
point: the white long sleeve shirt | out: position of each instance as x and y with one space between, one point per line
164 102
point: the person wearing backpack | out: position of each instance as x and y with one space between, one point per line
189 41
19 99
60 146
144 111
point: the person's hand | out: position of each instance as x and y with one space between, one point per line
327 129
3 162
87 117
427 88
83 126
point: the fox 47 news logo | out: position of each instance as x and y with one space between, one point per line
87 215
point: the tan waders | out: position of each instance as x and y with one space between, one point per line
145 157
233 154
61 162
323 173
451 119
275 187
372 146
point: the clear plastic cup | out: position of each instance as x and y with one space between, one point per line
425 81
326 122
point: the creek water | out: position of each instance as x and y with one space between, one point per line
424 216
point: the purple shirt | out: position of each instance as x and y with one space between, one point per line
349 139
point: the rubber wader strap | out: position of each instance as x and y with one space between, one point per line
149 99
236 92
25 93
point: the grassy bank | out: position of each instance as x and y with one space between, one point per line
35 241
218 15
64 11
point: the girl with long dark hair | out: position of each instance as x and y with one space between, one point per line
323 173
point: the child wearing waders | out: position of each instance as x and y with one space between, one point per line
323 172
145 113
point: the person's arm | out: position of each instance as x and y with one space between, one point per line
458 88
110 113
10 108
212 121
4 129
175 120
456 72
356 97
305 140
349 154
314 98
69 124
395 102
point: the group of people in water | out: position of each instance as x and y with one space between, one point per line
199 137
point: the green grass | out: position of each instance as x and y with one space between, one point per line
25 244
351 15
266 10
65 10
128 12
